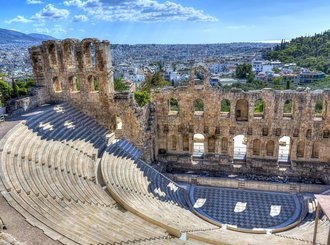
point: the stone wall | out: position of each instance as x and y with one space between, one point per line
80 72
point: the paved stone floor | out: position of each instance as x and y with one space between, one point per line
246 209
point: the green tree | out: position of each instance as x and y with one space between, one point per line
142 97
154 81
244 71
5 90
119 85
15 90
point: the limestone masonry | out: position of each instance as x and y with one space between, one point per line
283 133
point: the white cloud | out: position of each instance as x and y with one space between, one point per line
139 10
50 12
80 18
19 19
34 2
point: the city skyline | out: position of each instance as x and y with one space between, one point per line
168 22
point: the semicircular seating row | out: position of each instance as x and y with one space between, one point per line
47 172
143 190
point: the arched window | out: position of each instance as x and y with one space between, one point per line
300 149
309 134
173 105
89 54
284 149
256 147
225 107
52 55
119 123
57 86
242 110
211 144
316 150
198 145
287 108
326 133
69 54
74 84
93 83
224 145
185 141
318 109
198 106
173 142
258 109
270 148
240 147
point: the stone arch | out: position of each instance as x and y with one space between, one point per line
52 55
240 147
287 108
259 108
198 105
211 144
320 108
89 53
284 149
173 142
119 123
225 107
199 76
224 145
93 83
316 149
199 144
69 53
270 147
173 105
74 84
256 147
57 85
308 133
300 149
326 133
242 110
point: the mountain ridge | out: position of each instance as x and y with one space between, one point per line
16 36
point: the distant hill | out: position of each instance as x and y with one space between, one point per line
15 36
309 51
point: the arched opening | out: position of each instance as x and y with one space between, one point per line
89 54
74 84
300 149
270 148
258 109
309 134
240 147
185 142
173 142
256 147
211 144
69 54
225 107
284 149
316 150
57 86
319 109
52 55
326 134
242 110
287 108
119 123
173 106
198 106
224 145
93 83
198 145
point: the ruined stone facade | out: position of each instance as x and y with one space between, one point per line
80 73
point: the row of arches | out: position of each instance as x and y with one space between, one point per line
242 108
240 147
69 54
75 85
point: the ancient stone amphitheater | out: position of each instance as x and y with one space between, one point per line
76 169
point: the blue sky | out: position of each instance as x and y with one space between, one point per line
172 21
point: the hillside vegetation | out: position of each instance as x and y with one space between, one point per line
311 51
